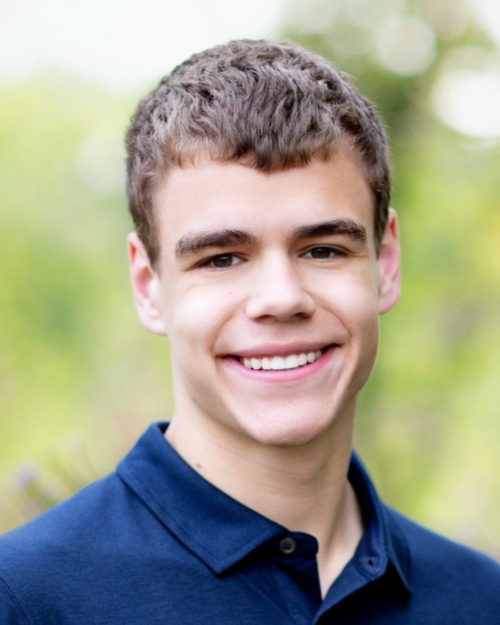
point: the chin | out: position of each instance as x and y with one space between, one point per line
287 431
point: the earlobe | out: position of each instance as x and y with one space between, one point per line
145 286
389 265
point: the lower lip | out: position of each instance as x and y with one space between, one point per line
282 375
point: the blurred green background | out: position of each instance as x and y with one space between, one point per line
80 379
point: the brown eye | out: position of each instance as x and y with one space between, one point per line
223 261
321 253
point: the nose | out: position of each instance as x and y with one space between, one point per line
278 293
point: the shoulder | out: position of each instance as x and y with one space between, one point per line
69 522
102 556
430 550
449 575
41 557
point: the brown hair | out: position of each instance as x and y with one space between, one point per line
271 105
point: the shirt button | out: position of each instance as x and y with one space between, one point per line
287 546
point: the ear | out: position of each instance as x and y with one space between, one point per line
145 286
389 265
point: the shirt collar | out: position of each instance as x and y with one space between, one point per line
382 543
217 528
221 531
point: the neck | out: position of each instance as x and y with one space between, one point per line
303 488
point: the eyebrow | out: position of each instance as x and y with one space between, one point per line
345 227
193 243
196 242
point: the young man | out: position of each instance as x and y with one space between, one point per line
259 183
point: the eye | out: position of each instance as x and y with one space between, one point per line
222 261
322 252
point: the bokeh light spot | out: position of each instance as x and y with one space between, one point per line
407 46
469 102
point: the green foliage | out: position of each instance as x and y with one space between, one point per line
66 310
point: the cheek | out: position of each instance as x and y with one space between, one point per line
197 317
363 318
353 298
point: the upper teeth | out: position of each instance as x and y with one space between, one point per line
277 363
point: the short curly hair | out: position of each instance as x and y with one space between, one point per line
273 106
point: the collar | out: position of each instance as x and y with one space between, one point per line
217 528
221 531
383 544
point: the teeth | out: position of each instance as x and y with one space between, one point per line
278 363
266 364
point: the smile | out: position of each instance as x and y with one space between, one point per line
280 363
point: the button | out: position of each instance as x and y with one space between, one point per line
287 546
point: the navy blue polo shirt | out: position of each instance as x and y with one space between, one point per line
155 543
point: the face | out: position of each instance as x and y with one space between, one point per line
269 289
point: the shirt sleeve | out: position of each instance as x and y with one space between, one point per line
11 612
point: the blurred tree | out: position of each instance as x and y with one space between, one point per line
74 363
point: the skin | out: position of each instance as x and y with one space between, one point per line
298 271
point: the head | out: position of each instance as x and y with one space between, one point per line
258 180
271 106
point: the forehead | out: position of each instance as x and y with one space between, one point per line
214 195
